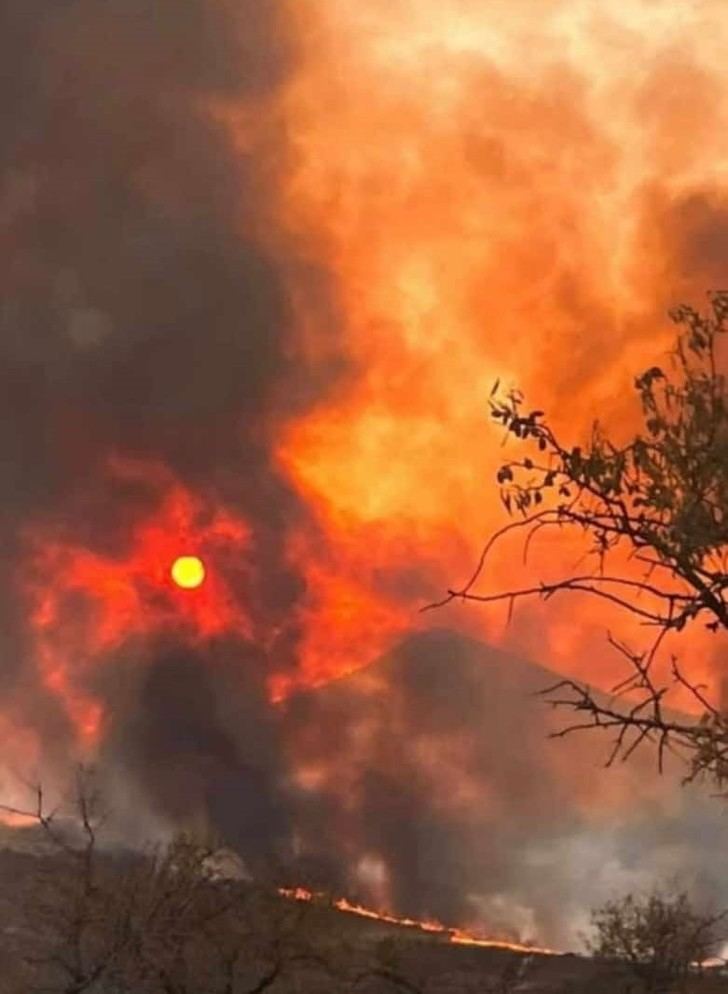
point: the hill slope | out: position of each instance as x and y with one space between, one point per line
432 774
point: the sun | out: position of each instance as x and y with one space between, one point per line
188 572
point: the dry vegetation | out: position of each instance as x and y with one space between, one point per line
76 917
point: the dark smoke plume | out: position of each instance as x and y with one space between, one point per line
201 738
139 312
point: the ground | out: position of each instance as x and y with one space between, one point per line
370 957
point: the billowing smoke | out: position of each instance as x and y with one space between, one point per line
145 339
201 739
139 312
446 799
141 317
262 263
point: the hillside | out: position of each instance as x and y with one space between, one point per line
436 765
435 769
344 953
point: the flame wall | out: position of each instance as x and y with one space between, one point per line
262 264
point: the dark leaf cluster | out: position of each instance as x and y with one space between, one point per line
661 498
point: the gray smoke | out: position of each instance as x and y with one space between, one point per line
437 763
139 313
199 736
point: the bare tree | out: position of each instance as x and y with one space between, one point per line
159 921
662 498
663 939
81 935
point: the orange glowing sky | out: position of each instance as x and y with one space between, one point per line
498 195
494 195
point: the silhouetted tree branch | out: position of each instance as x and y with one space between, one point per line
662 498
159 921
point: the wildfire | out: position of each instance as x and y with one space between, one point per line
308 245
457 936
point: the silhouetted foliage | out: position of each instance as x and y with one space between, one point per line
160 921
662 497
662 938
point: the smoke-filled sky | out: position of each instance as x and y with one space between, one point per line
262 265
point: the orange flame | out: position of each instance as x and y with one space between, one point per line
457 936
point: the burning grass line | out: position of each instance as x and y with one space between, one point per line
451 934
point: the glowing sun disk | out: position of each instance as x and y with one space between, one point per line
188 572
